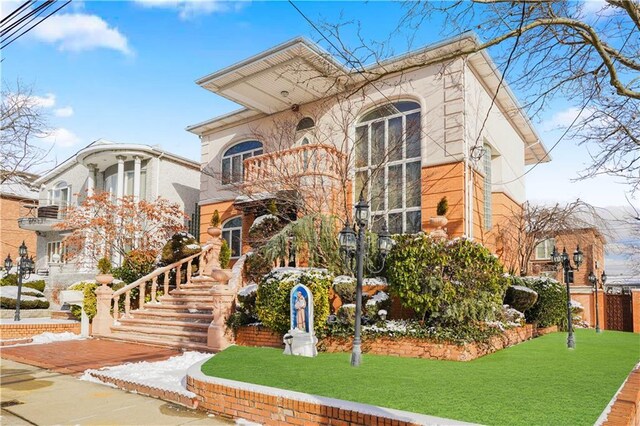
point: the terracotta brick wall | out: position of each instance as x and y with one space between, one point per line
635 306
404 347
626 407
232 402
437 182
17 331
11 236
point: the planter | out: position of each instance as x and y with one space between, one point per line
221 275
104 279
438 221
214 231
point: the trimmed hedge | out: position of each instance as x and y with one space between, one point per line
446 282
272 301
10 303
551 307
520 297
12 279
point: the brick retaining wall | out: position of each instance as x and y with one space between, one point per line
403 346
625 410
272 406
28 329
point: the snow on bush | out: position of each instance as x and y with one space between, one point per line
245 291
11 292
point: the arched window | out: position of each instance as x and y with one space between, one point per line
60 195
305 123
388 165
232 232
233 158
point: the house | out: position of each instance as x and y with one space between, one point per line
142 171
16 194
310 127
592 244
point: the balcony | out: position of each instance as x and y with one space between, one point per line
42 217
294 167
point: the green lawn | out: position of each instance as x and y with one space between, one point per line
536 382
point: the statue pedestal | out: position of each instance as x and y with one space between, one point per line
301 343
223 298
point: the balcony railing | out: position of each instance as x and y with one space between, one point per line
43 216
287 166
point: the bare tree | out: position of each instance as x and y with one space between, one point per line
22 123
548 49
521 231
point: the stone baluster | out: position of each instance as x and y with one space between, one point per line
189 272
222 301
154 289
127 304
178 276
166 283
142 294
103 320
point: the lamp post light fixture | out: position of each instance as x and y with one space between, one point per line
24 268
352 246
562 259
593 279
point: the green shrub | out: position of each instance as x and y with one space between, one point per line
12 279
347 314
520 297
446 282
442 207
225 254
215 219
345 287
104 265
551 307
136 264
245 312
379 301
256 266
272 302
90 300
10 303
179 246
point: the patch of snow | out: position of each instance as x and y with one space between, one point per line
244 422
375 281
11 291
349 305
44 338
576 305
343 279
264 218
380 296
245 291
523 288
193 246
169 375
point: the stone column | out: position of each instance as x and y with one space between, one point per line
120 187
217 338
635 306
91 180
136 177
103 320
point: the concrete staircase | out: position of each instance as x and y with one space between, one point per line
178 320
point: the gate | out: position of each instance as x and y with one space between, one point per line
619 313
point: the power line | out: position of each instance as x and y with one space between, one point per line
16 27
20 19
36 24
16 11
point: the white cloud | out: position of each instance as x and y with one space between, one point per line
79 32
61 137
188 9
46 101
564 118
63 112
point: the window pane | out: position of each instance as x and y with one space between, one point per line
395 139
361 185
226 235
413 222
413 135
236 174
236 243
377 190
242 147
540 251
377 221
236 222
226 171
413 184
143 185
377 143
362 146
395 223
395 187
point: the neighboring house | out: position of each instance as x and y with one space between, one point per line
16 195
592 244
142 171
415 137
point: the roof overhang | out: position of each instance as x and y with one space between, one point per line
294 73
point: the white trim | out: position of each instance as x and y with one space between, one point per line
230 231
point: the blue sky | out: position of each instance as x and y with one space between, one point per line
125 71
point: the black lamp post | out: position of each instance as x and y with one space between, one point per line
25 267
563 260
593 279
355 247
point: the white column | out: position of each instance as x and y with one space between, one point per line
136 177
120 190
91 181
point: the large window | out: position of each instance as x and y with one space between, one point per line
232 232
60 194
544 249
233 158
488 211
388 166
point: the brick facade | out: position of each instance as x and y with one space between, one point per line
11 236
625 410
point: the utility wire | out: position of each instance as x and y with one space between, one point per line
21 19
34 14
35 25
16 11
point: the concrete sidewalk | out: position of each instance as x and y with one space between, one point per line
34 396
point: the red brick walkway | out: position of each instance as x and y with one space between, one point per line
75 356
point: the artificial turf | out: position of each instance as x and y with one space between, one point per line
536 382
